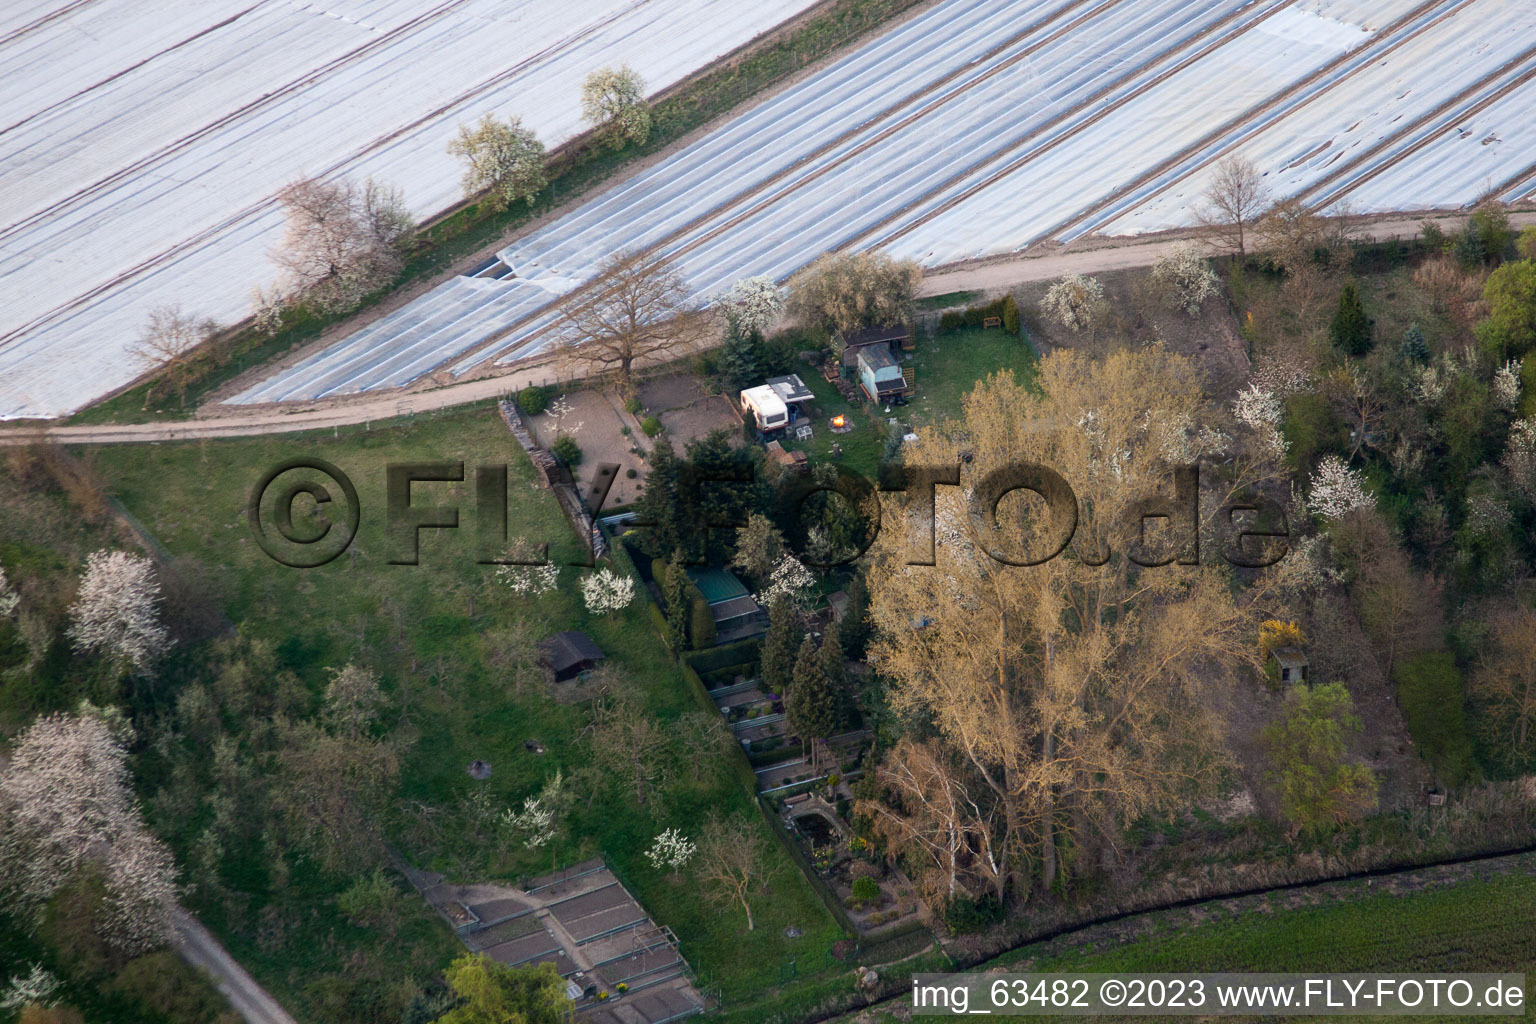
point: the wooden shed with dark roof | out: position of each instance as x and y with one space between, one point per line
569 654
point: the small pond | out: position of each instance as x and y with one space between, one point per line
817 829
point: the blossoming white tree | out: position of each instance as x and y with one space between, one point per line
67 802
1186 278
752 303
1259 409
1076 302
1336 490
613 103
789 579
117 609
1520 458
1506 385
538 823
606 591
671 850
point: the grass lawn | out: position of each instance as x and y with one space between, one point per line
1471 926
862 446
414 625
951 362
948 366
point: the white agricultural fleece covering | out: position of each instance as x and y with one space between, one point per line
142 142
979 127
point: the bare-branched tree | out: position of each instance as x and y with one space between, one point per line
1236 198
172 342
731 861
637 309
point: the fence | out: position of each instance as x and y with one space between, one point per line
555 477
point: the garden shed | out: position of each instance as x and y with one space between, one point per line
893 337
879 375
569 654
1292 662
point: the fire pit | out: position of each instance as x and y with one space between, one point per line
840 424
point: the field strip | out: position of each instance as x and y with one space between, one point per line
1258 119
270 204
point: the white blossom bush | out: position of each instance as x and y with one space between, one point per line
116 611
752 303
606 591
1506 385
67 801
535 823
787 580
266 312
529 580
671 850
1281 378
538 823
1519 459
1186 278
1260 409
38 987
1488 515
1305 568
9 599
1336 490
1075 302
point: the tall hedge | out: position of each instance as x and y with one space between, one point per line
701 624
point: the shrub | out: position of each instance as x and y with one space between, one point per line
865 890
952 320
1351 328
1510 329
651 425
963 915
1528 388
1525 245
630 473
1413 348
1011 322
567 450
632 405
701 624
864 869
1310 427
1430 690
533 399
1185 278
1076 303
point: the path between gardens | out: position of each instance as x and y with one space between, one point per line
1096 256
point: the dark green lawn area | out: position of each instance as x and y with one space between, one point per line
948 366
414 625
951 362
1471 926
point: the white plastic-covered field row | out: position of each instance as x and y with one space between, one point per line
143 144
982 126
